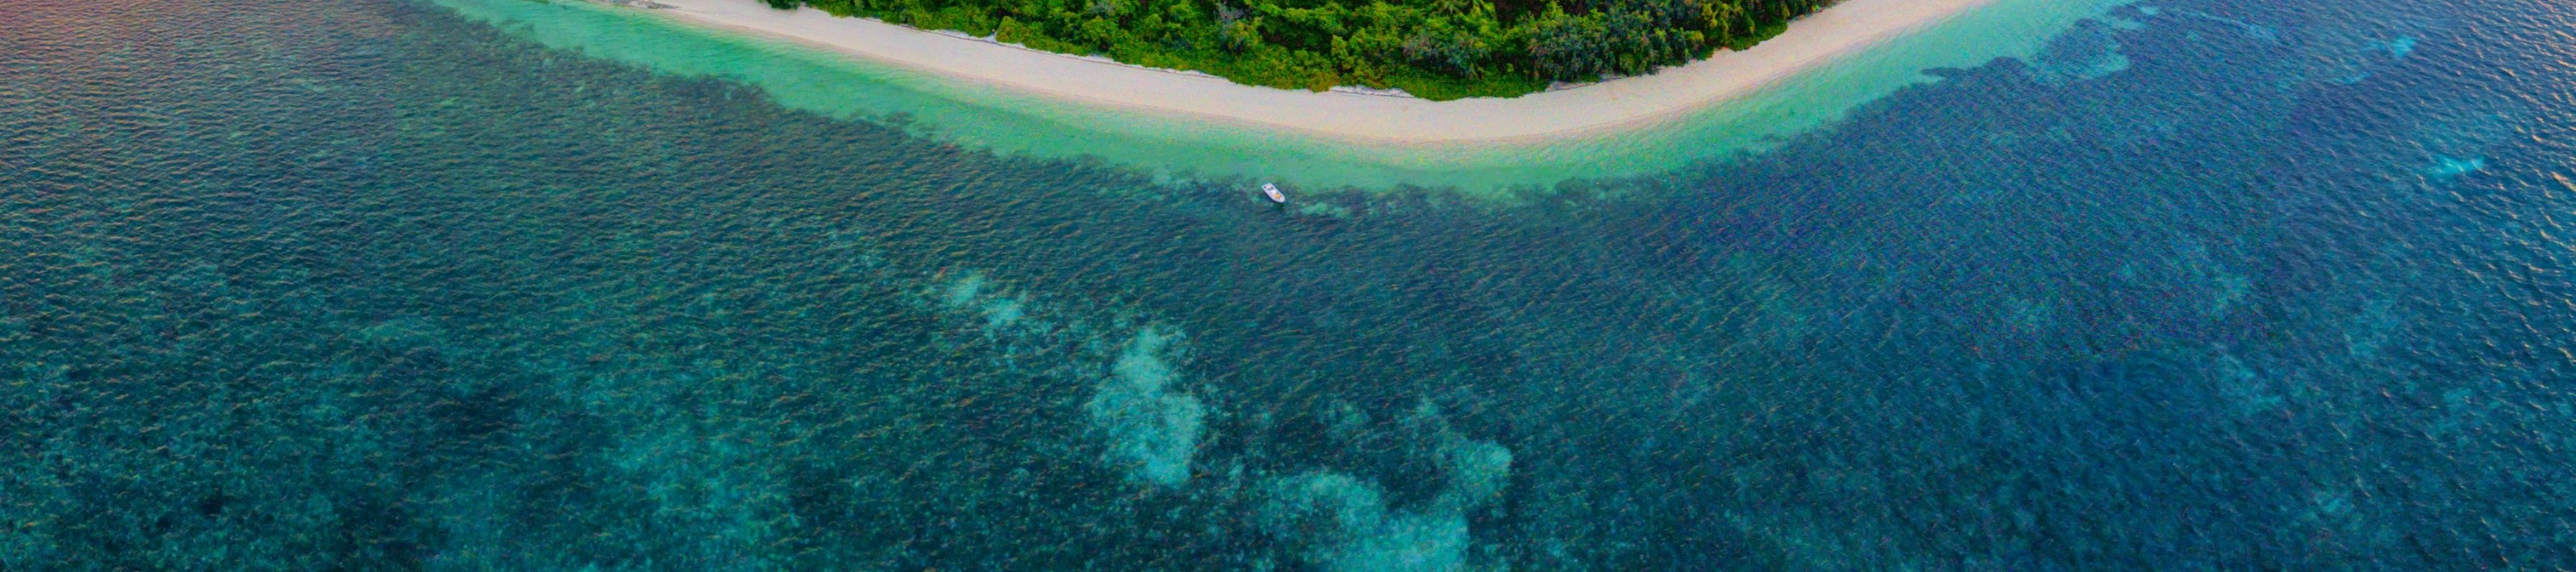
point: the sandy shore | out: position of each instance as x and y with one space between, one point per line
1815 40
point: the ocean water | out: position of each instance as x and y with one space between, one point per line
393 284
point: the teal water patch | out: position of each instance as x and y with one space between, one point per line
835 85
1152 430
1347 525
2447 167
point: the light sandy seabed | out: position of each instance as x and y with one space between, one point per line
1812 41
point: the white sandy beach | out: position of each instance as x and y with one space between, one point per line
1817 39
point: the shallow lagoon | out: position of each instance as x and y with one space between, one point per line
377 285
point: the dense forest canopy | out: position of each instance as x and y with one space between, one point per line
1438 49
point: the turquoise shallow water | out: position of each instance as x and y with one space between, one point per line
380 285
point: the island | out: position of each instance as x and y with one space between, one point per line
1354 114
1433 49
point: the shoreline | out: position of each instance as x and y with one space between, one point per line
1816 40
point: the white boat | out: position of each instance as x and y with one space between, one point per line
1273 192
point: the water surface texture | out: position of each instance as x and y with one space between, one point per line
380 284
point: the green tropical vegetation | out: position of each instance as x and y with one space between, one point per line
1435 49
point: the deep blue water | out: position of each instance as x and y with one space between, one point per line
360 284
